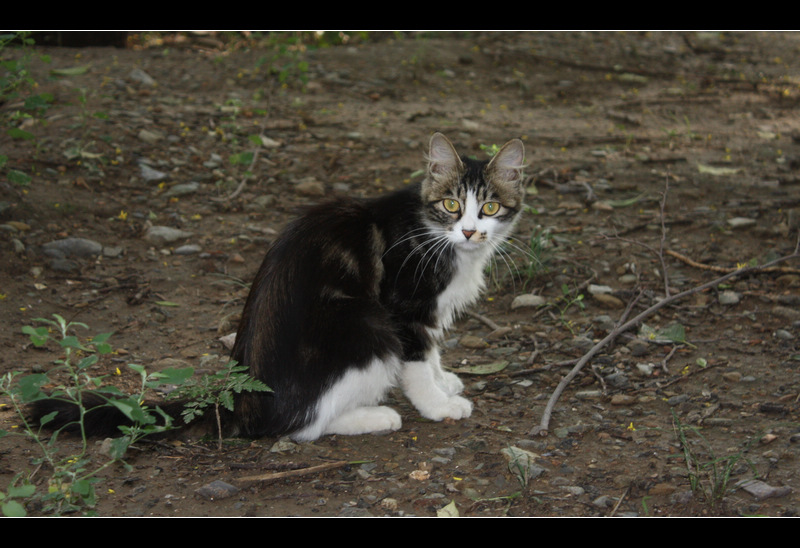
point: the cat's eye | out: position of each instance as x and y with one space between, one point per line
490 208
451 205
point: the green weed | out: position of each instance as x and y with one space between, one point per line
709 475
70 487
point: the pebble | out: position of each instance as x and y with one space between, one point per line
608 301
151 175
471 341
217 489
165 234
72 247
761 490
141 77
729 297
599 289
189 249
150 137
741 222
182 189
310 187
527 301
638 347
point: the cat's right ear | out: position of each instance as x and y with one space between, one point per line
443 160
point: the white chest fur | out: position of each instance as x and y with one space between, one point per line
464 288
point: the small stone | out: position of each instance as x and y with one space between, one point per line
72 247
761 490
150 137
112 251
165 234
151 175
608 301
189 249
622 399
182 189
139 76
729 297
741 222
471 341
732 376
527 301
599 289
310 187
638 347
217 489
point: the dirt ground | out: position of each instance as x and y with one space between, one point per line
611 122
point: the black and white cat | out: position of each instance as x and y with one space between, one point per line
353 297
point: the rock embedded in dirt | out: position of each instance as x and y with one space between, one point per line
165 234
217 490
527 301
72 247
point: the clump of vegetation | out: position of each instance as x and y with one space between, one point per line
709 474
17 86
70 487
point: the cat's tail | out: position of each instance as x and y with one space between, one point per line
100 418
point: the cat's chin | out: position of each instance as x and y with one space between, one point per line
470 247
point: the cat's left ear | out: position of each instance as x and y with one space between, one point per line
506 166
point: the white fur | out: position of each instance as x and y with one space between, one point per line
433 391
350 406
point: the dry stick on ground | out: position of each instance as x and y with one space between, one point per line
295 473
544 425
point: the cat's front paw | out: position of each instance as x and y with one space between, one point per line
454 407
450 383
365 420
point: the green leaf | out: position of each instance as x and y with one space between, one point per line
176 376
16 133
19 177
13 509
72 71
167 303
130 408
243 158
29 387
21 491
38 335
71 341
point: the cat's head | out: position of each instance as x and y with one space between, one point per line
471 202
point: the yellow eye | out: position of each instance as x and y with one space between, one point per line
451 205
490 208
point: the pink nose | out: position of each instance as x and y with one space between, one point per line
467 233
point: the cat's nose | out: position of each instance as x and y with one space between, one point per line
467 233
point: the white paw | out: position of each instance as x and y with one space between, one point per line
450 383
365 420
453 407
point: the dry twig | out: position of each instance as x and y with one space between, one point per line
544 425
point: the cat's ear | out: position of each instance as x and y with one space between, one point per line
506 166
443 160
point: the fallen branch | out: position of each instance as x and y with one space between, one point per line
713 268
296 473
544 425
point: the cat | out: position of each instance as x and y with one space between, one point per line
353 297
